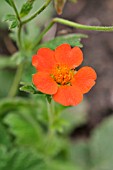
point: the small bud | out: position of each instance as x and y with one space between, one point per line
59 5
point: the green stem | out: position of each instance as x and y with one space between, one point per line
20 68
20 23
19 36
50 117
32 121
16 81
42 34
37 13
81 26
16 11
72 24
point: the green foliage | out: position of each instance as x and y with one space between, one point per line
97 152
72 39
9 2
74 116
26 139
14 24
26 8
25 128
80 154
20 159
8 104
5 138
5 82
12 19
30 37
9 17
102 145
49 98
29 88
60 165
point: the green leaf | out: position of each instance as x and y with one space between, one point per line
26 8
74 116
49 98
20 159
101 145
5 81
29 88
60 165
24 126
7 105
28 71
9 2
14 24
17 58
9 17
4 136
80 154
72 39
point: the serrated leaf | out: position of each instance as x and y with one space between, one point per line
26 8
9 2
21 159
72 39
25 128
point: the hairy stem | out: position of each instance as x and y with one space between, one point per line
81 26
74 25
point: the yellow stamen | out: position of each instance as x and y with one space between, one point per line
62 75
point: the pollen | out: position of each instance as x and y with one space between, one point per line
62 75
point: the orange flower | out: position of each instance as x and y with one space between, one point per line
57 75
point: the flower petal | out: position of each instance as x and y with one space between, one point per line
35 61
85 79
68 95
61 53
44 60
70 57
75 58
45 83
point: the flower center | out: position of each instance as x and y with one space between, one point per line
62 75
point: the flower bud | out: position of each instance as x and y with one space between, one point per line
59 5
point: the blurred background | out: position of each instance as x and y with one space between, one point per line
91 123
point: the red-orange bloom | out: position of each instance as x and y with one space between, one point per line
56 74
